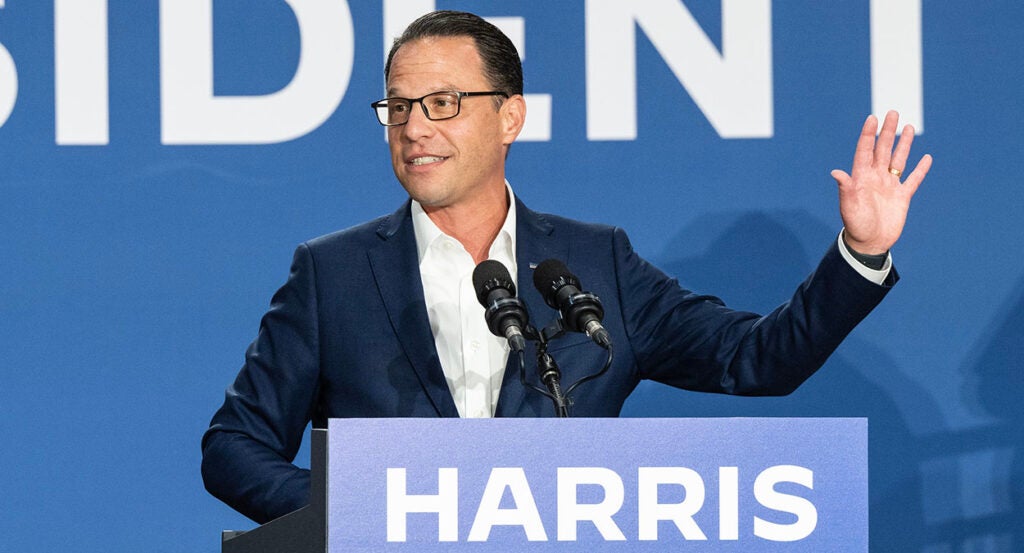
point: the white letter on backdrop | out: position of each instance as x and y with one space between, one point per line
8 82
732 88
81 75
896 81
192 114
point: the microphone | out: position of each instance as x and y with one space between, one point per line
505 314
580 311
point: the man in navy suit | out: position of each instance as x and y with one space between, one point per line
381 320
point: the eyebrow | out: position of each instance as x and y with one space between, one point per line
448 87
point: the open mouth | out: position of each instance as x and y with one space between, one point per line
425 160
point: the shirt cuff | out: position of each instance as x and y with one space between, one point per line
878 277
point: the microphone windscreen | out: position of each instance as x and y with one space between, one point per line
487 276
550 276
548 271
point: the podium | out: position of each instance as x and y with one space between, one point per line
742 484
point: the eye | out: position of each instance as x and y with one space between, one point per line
397 107
441 102
444 103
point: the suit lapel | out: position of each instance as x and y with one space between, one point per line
394 263
535 242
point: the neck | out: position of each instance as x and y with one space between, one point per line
475 227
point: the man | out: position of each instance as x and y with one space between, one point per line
380 320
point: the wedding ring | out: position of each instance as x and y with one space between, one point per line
896 172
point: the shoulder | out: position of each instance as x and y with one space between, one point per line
548 223
361 236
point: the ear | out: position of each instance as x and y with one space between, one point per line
513 116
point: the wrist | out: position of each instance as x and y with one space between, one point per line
864 254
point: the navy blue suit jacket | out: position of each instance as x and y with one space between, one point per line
348 336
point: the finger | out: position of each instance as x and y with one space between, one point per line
842 179
902 152
864 154
883 146
917 177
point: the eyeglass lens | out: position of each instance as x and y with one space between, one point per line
440 105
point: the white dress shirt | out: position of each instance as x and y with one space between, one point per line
473 359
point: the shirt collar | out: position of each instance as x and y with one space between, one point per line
426 232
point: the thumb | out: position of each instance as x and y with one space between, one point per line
841 177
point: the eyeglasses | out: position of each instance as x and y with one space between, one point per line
437 106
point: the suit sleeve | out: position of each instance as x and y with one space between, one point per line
254 437
695 342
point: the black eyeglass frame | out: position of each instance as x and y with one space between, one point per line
459 95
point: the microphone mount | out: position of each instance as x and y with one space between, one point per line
547 368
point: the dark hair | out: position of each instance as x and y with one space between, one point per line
502 67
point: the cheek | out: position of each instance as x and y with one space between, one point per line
393 147
479 143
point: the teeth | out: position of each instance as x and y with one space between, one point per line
426 160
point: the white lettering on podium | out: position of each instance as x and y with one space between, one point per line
732 88
192 114
445 504
806 513
681 514
728 503
571 512
81 75
490 514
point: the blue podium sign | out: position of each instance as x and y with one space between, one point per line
600 484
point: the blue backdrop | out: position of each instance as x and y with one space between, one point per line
141 237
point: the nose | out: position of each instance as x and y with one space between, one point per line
418 124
